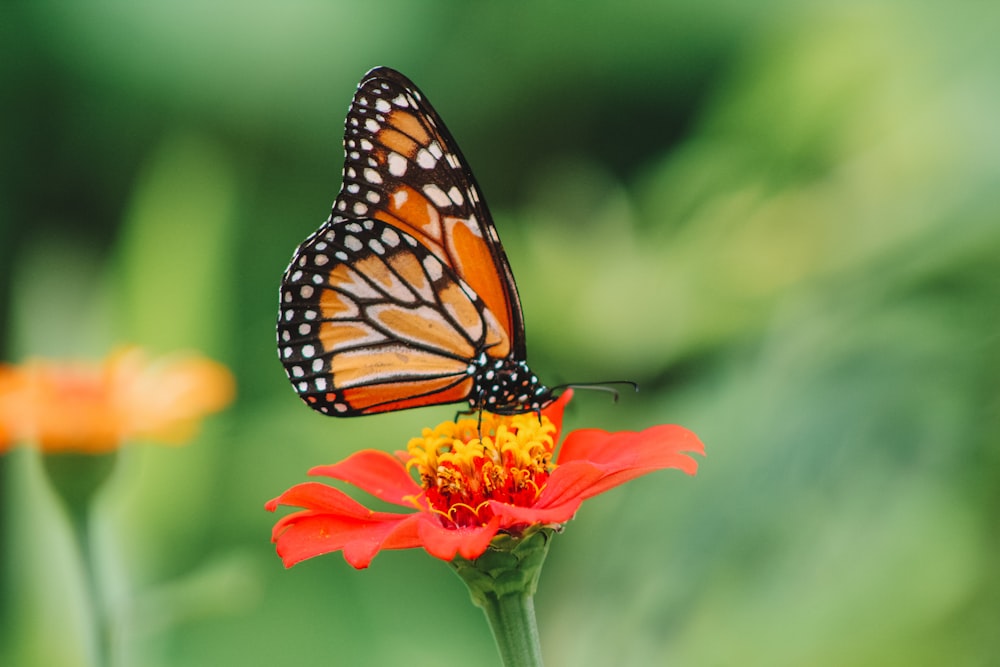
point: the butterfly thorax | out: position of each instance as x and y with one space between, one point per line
506 386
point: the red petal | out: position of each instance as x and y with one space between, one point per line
656 446
445 543
570 483
319 497
554 512
379 473
307 534
592 461
332 521
555 411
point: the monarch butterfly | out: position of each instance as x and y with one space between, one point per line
404 296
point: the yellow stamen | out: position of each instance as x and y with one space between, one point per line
464 464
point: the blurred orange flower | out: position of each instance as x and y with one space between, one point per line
93 408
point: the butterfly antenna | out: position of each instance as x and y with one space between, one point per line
599 386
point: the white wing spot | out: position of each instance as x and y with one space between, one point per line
433 267
452 160
437 195
308 351
456 195
372 126
435 150
372 176
390 237
317 365
353 244
297 371
399 198
401 101
297 276
320 384
353 188
366 145
310 314
305 329
360 208
382 105
320 260
425 159
397 165
376 247
306 291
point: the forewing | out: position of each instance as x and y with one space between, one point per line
403 167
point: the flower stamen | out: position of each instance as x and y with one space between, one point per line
463 465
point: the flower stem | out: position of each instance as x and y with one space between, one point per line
76 478
98 613
502 582
515 631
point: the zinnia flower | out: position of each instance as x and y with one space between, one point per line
476 480
92 408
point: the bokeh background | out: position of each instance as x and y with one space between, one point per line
780 219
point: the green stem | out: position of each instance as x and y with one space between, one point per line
76 478
97 605
502 582
512 620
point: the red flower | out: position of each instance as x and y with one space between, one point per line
470 488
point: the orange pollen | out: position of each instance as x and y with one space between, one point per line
463 465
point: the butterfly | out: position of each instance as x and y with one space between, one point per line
404 296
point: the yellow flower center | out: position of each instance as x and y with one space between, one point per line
464 464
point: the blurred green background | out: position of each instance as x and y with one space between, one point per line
780 219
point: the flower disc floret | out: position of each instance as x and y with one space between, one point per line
464 464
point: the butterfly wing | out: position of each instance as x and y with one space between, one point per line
403 167
372 321
404 297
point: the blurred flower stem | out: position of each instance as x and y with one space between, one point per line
77 478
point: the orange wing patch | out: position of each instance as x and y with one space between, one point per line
402 395
376 270
411 271
476 266
339 336
355 368
425 326
409 124
334 305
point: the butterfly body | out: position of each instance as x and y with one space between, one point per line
404 296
